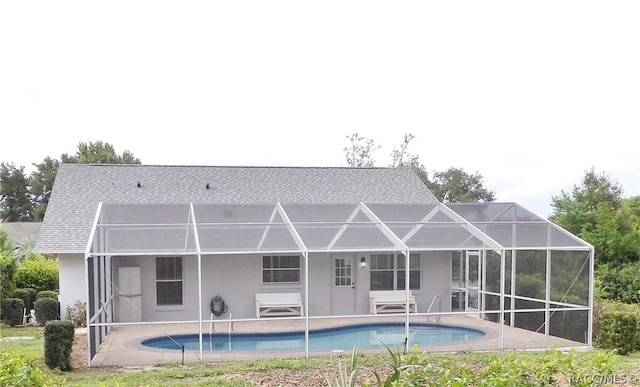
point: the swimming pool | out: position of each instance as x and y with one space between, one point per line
362 336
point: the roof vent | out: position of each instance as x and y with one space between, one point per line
208 186
139 185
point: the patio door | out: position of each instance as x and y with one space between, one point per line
473 281
343 292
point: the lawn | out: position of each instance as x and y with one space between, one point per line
416 368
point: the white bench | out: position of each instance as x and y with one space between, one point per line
381 301
278 304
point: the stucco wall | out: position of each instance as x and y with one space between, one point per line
436 280
236 278
71 281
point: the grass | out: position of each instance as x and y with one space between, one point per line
32 346
199 374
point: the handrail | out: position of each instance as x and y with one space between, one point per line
436 297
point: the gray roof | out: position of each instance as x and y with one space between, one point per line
79 188
21 232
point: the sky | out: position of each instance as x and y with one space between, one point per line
530 95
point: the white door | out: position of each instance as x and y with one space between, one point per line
129 294
343 297
473 280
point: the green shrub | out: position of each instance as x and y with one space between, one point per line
18 370
46 310
6 245
52 294
619 283
33 295
12 310
8 268
601 307
58 343
619 330
542 369
77 313
25 296
38 273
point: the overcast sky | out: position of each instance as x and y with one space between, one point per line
528 94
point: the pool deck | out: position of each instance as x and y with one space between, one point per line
122 346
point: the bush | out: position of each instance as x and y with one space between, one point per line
33 293
619 283
52 294
618 330
549 368
38 273
8 268
25 296
12 310
77 313
58 343
46 310
18 370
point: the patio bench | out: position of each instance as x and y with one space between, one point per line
390 301
278 304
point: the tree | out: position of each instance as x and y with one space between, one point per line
8 269
99 152
359 153
615 235
452 185
41 183
402 158
38 273
576 210
25 199
456 186
15 201
6 244
596 212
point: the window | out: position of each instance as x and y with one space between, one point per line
280 268
169 280
342 271
388 272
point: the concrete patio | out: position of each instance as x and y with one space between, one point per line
123 346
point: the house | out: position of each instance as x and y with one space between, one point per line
143 243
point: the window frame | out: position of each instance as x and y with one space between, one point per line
167 280
273 272
395 271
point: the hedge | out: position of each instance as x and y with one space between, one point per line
58 343
24 295
619 331
46 310
38 273
12 310
47 294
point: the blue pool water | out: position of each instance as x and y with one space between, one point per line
362 336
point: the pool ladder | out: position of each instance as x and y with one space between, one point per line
212 329
436 297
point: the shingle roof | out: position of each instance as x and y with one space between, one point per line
21 232
79 188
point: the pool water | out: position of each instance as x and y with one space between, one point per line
362 336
